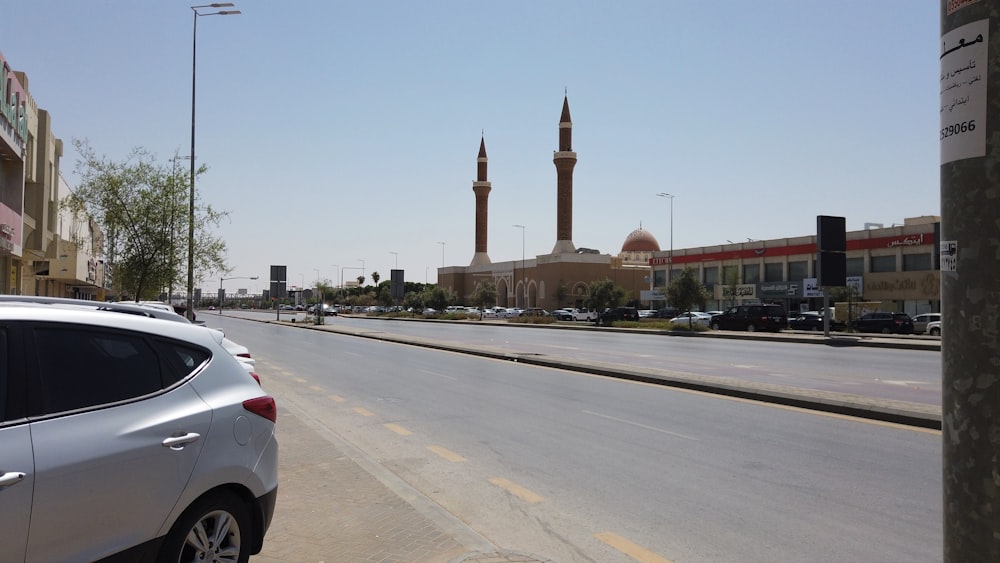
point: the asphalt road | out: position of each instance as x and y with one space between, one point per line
575 467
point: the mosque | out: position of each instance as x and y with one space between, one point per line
563 277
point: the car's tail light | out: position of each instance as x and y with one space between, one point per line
244 355
263 407
255 377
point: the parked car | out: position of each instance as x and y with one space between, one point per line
180 463
920 321
884 322
812 320
611 315
692 318
646 313
666 313
934 328
751 318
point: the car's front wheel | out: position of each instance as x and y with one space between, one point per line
715 326
751 327
215 528
935 331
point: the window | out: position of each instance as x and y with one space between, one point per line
798 271
751 273
730 275
659 278
711 276
883 263
774 272
916 262
856 266
80 367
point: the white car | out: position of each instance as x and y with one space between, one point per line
169 444
694 317
933 328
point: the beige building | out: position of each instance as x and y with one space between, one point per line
43 250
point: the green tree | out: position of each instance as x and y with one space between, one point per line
142 208
485 294
414 300
437 297
375 278
604 294
361 282
686 291
731 279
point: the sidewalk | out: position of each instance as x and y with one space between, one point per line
333 507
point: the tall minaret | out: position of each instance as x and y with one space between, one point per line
565 160
482 189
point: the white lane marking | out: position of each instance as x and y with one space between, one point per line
438 374
653 428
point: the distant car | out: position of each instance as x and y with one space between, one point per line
920 321
534 312
884 322
934 328
611 315
812 320
751 318
646 313
694 317
148 423
429 311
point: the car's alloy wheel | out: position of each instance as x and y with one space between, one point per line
216 528
715 326
751 327
935 332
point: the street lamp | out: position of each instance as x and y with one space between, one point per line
396 254
442 253
524 276
194 66
173 226
670 266
222 292
362 267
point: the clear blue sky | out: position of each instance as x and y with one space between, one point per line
337 132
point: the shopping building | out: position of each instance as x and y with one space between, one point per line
897 267
43 249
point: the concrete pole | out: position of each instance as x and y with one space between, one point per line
970 294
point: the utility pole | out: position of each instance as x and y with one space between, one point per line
970 297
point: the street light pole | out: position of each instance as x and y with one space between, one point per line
524 276
442 253
362 267
396 254
222 294
194 65
670 259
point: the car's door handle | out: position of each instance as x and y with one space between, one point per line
11 478
178 442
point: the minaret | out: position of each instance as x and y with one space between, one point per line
565 160
482 189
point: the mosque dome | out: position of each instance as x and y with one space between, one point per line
640 240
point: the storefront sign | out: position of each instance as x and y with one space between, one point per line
902 285
13 107
741 291
778 290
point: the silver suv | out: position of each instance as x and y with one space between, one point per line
128 437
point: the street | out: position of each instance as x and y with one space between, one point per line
573 467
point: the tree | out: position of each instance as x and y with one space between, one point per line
142 208
604 294
485 294
437 297
685 291
375 278
361 282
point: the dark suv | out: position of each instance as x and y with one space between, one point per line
751 318
884 322
613 314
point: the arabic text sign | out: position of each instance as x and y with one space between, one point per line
963 91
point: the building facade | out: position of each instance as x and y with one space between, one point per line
43 249
897 267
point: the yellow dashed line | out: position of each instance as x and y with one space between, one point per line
363 411
517 490
634 551
398 429
446 453
337 399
